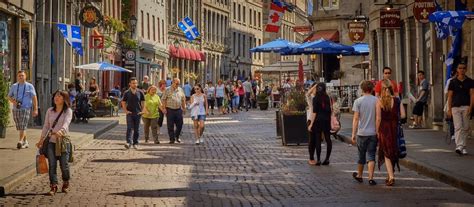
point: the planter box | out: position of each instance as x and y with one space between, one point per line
294 129
278 124
263 105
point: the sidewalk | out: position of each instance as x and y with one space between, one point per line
19 165
429 154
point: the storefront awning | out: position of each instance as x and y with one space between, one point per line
143 61
186 53
332 35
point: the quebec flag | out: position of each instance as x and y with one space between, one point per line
72 33
189 29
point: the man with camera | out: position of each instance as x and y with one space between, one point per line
23 97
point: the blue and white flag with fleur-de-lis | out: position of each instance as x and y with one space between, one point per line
72 33
189 29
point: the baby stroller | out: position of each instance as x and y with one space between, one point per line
83 108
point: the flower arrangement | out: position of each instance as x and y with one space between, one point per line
294 101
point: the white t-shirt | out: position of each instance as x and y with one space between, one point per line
211 92
198 107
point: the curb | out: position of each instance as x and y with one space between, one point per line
427 170
8 183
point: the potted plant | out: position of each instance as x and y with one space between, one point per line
4 106
262 100
293 117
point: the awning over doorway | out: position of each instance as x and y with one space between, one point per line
284 67
332 35
186 53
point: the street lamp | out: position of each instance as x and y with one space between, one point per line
133 24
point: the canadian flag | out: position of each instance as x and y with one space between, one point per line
274 18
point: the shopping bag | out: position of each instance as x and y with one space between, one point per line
41 164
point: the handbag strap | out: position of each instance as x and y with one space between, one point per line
57 119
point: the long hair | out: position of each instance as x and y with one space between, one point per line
150 88
65 96
321 95
386 95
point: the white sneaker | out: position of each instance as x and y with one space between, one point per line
135 146
197 141
458 150
464 151
127 146
25 145
201 140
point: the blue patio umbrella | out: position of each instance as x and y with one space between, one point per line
102 66
323 46
360 49
278 45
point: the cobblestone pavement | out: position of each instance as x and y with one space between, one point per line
241 164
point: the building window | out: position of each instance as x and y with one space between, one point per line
143 24
259 20
159 30
254 18
169 12
148 25
233 43
154 28
329 4
244 16
238 12
235 13
163 31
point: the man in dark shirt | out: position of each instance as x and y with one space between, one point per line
78 83
133 102
460 103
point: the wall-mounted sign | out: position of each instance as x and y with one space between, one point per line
390 19
96 42
356 31
130 55
302 29
90 16
422 9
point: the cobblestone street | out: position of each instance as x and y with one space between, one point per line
241 163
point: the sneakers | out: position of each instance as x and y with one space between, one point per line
197 142
178 140
464 151
201 140
157 142
25 144
458 150
135 146
19 144
127 146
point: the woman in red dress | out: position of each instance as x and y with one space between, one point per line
387 119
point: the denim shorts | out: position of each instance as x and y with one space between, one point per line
199 118
366 144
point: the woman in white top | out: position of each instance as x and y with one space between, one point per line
220 94
211 96
199 109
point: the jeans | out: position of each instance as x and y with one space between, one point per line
160 119
247 101
366 144
53 164
461 125
241 101
235 101
174 117
153 123
133 123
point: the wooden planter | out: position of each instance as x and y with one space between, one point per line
263 105
3 132
294 129
278 123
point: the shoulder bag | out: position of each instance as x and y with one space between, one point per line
44 147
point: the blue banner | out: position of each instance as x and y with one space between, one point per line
72 34
189 29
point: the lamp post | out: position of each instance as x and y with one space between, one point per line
133 25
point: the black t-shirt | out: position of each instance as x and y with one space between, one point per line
133 101
461 91
322 108
77 85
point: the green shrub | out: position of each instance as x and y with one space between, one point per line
4 104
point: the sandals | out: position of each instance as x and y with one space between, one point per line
390 182
354 175
372 182
312 162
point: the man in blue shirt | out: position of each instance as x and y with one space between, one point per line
187 91
168 82
23 97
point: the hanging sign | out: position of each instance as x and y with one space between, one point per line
96 42
356 31
422 10
390 19
90 16
302 29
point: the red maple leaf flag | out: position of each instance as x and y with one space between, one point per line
274 18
